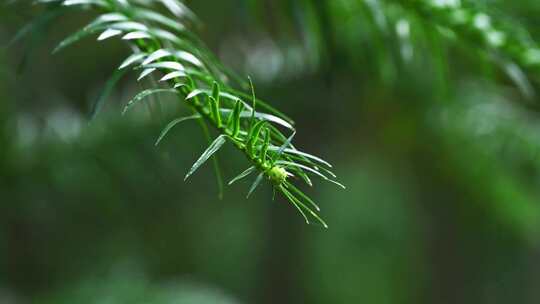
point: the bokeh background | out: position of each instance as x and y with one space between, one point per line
436 142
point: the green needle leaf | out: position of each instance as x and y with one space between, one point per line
240 176
253 136
216 114
106 92
215 91
253 103
142 95
291 199
298 192
284 146
213 148
304 154
136 57
295 201
234 119
255 184
75 37
173 124
215 160
304 167
264 149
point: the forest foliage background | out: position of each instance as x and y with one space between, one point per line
432 123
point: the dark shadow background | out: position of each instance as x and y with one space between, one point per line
439 153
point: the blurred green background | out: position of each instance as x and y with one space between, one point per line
438 146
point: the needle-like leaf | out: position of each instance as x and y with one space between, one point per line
142 95
240 176
109 86
213 148
173 124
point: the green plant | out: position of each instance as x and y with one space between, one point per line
405 33
161 42
470 26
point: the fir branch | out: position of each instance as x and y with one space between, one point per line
162 43
460 22
502 41
416 29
